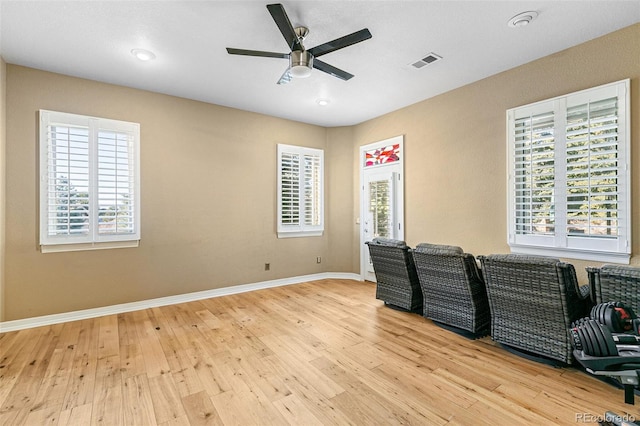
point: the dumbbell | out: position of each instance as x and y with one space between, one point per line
594 339
617 317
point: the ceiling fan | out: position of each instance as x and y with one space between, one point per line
302 60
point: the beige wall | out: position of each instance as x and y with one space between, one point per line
341 218
455 169
208 176
208 181
3 109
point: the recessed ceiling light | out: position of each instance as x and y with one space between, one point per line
323 102
522 19
143 55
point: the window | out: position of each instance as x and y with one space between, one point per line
300 191
569 175
89 182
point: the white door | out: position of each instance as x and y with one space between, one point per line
381 212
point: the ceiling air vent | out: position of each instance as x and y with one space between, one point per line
429 59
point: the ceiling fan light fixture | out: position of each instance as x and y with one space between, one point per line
301 63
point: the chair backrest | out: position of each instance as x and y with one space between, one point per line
617 283
533 300
435 262
391 260
396 277
453 288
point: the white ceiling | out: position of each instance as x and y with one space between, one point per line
93 39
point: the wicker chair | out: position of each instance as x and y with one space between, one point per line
453 290
616 283
533 302
396 277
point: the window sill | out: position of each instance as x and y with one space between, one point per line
58 248
298 234
597 256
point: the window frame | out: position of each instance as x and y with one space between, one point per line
93 239
560 242
300 229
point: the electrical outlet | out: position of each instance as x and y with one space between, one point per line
318 259
267 266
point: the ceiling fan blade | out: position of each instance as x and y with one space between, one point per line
330 69
341 42
286 77
233 51
282 21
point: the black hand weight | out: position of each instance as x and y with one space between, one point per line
617 317
593 338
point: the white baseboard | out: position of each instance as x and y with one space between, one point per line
25 323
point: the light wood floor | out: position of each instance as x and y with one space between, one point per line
324 352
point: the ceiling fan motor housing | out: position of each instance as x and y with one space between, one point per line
301 63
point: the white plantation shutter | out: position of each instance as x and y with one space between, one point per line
534 174
300 191
116 183
290 188
569 175
89 193
312 186
67 205
592 169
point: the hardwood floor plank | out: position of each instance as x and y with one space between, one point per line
167 403
200 410
44 415
320 406
365 405
209 319
187 381
80 388
260 372
27 370
231 372
506 406
108 404
127 329
210 375
155 361
79 415
167 333
301 370
108 339
247 407
15 353
441 398
180 421
131 360
137 402
295 412
9 417
53 388
414 399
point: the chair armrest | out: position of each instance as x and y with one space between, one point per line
582 293
594 284
585 292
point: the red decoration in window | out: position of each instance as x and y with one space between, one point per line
385 155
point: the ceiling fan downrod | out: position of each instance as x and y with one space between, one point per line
301 60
